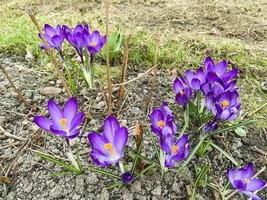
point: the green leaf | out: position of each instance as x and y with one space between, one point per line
145 159
114 44
201 175
154 143
241 132
136 160
101 171
57 161
227 155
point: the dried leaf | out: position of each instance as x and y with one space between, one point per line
5 179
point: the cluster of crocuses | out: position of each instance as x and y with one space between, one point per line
163 125
217 84
80 38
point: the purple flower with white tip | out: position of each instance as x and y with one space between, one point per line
175 150
107 148
182 91
54 37
162 121
242 180
195 80
64 121
94 42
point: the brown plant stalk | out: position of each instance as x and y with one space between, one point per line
154 79
107 60
27 104
51 55
124 68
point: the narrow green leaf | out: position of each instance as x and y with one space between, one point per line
56 161
144 158
136 160
227 155
113 185
101 171
153 142
201 175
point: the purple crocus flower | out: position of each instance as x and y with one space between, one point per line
64 121
162 121
94 42
175 150
127 178
226 106
242 180
54 37
108 147
195 80
182 91
76 37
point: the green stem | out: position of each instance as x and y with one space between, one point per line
121 166
72 157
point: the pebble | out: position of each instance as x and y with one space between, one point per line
156 191
104 194
79 188
136 186
51 91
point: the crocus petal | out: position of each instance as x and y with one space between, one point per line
56 40
230 75
178 85
49 30
111 124
245 172
98 142
70 109
182 140
73 134
212 76
240 184
255 184
55 112
210 103
195 83
225 114
230 175
200 74
77 120
57 131
252 195
189 75
78 28
121 137
209 64
220 68
95 37
43 122
217 88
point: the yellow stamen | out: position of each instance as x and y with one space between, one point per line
247 181
63 123
175 148
93 44
224 104
182 92
109 148
161 123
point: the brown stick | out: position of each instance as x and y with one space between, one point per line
107 60
15 88
124 67
50 54
154 80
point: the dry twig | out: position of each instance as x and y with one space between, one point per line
51 55
124 68
27 104
107 60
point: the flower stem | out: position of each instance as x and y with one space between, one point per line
121 166
71 156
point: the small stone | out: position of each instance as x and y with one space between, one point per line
135 110
56 192
76 197
79 188
156 191
50 91
28 187
104 194
101 105
127 195
136 186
